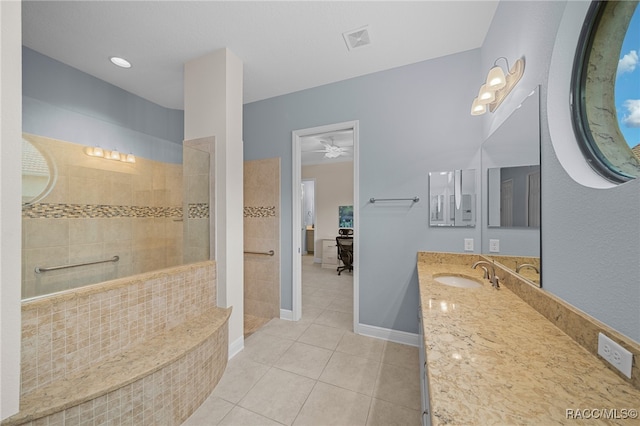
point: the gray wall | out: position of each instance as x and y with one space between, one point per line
64 103
590 237
413 120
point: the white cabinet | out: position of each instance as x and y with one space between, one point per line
424 379
329 254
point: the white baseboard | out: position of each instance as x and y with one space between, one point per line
286 314
236 346
317 260
396 336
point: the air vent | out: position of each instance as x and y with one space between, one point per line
357 38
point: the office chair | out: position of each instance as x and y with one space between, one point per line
345 253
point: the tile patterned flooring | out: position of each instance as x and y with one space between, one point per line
316 371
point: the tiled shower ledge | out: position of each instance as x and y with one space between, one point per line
128 367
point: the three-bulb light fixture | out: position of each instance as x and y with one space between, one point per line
497 86
96 151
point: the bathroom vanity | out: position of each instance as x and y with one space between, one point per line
491 358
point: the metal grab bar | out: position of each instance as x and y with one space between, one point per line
55 268
265 253
414 199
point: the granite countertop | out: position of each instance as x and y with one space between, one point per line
493 359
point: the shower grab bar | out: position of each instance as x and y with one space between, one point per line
265 253
55 268
414 199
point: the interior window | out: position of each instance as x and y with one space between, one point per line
606 89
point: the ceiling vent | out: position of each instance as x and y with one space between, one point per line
357 38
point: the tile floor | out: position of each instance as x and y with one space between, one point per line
316 371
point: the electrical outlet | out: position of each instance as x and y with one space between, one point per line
494 246
468 244
615 354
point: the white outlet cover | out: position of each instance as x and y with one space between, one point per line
615 354
468 244
494 246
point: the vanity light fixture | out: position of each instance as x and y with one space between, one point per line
114 155
497 86
96 151
120 62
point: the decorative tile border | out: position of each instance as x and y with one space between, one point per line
260 211
90 211
198 210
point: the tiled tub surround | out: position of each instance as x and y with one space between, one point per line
98 209
146 349
493 359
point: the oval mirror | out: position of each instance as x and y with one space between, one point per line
38 173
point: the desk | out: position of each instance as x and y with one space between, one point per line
329 254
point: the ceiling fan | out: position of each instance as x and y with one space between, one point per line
331 150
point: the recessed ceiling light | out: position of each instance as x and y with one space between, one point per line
123 63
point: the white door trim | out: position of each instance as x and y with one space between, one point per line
297 214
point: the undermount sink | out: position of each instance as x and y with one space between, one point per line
457 281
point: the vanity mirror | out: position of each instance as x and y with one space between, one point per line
510 159
452 198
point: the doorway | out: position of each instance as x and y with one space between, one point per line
308 216
329 148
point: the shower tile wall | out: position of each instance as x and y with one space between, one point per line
198 156
99 209
261 234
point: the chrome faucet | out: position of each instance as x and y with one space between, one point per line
527 265
489 273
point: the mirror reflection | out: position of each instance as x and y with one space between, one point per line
452 198
510 159
514 196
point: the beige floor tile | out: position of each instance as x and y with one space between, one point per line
322 336
341 305
239 377
316 301
303 359
398 385
211 412
279 395
265 348
363 346
351 372
325 292
241 417
285 329
383 413
331 405
401 355
309 313
335 319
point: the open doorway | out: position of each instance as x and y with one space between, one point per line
312 148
